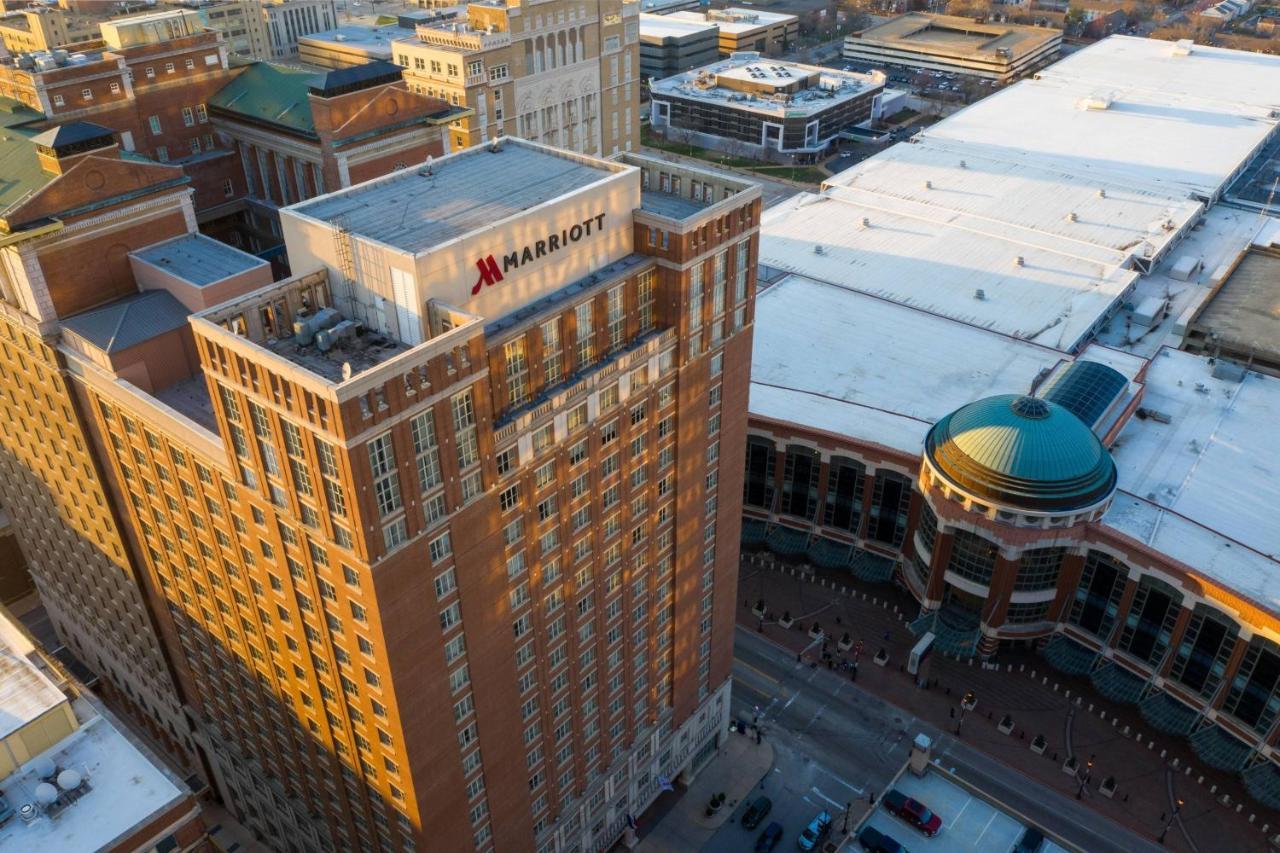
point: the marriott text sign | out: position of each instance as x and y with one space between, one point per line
492 270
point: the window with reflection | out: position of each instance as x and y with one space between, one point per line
844 494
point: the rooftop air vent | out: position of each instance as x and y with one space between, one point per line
928 185
818 249
1183 47
1071 217
1019 261
980 294
1102 193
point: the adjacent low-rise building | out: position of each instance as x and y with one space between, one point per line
763 108
946 43
351 44
72 778
966 382
768 33
669 45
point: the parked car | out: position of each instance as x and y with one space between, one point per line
913 812
756 812
811 836
875 841
769 838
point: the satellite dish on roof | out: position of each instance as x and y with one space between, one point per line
69 780
45 768
46 794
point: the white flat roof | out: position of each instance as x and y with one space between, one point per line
830 88
26 693
125 789
669 26
937 259
1177 124
1204 488
748 20
837 360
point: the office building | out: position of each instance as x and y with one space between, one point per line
241 22
351 44
919 41
286 21
767 33
669 46
47 28
770 110
991 413
559 73
499 402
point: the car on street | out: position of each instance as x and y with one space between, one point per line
769 838
811 836
913 812
756 812
875 841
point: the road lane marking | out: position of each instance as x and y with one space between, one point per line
840 806
766 676
792 699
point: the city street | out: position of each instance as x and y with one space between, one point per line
856 742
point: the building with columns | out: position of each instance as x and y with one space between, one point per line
561 73
957 389
299 133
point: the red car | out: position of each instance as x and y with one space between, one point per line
913 812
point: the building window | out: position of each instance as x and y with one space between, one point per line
844 494
973 557
800 482
890 502
645 298
617 318
552 359
1024 612
927 528
1097 598
464 429
1038 568
695 298
517 371
386 482
586 348
1152 615
228 188
188 117
154 122
758 487
114 88
1205 650
86 94
498 72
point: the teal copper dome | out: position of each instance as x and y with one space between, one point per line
1022 453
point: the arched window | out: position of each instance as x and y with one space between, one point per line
1097 599
757 489
1202 656
1038 568
800 482
844 494
889 505
973 557
1149 626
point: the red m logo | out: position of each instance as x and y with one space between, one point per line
489 274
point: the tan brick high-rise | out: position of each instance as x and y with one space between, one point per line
435 536
560 72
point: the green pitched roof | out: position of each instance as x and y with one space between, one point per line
270 94
20 171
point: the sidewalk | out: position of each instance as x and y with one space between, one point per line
735 770
1072 716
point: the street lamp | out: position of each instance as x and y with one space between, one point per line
848 807
1177 807
1084 779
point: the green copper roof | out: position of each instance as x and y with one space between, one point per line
1022 453
20 171
270 94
